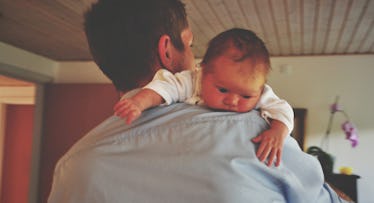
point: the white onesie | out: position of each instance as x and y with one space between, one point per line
185 86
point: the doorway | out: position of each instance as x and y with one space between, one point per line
17 104
39 81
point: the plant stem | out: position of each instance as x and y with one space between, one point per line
325 139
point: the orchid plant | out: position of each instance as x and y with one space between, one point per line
348 127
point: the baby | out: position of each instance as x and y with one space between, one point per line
232 77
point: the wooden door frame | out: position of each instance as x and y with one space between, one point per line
39 80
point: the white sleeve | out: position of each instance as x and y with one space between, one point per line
172 87
275 108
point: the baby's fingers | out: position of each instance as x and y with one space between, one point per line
131 116
271 158
260 150
125 112
263 151
279 157
123 109
120 105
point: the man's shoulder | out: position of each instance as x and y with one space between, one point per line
181 113
165 145
174 115
180 117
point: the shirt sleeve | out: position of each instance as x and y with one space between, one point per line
172 87
275 108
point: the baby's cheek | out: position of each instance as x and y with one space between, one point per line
247 106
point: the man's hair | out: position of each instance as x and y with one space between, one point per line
123 36
249 45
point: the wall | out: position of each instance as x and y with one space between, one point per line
2 139
313 83
17 153
67 73
71 110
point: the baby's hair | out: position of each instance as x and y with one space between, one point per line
249 45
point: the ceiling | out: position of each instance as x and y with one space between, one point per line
53 28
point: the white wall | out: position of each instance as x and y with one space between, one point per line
309 82
313 83
70 72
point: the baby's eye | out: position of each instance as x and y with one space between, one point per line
246 97
222 90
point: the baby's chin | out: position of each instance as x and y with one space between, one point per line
230 109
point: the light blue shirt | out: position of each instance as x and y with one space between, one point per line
184 154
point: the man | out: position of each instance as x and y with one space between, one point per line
131 40
178 153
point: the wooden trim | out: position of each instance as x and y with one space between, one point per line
300 125
20 73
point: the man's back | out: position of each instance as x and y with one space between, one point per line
184 153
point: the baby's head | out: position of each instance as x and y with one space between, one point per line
235 68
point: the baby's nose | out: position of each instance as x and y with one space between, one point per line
231 100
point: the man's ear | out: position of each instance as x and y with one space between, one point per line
165 51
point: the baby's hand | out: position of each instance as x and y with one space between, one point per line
127 109
271 146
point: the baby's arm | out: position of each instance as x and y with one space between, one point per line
165 87
280 116
131 108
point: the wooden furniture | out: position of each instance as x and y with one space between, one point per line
299 128
345 183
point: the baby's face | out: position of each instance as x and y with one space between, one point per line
231 86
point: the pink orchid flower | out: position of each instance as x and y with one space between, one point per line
350 133
348 127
